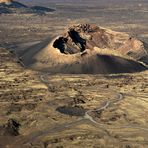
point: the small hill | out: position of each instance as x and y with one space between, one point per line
12 4
9 6
86 49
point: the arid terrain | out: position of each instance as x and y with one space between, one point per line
39 109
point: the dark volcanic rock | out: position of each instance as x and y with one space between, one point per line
73 111
10 129
4 10
41 9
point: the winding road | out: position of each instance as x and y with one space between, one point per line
87 116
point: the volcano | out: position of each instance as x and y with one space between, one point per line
84 49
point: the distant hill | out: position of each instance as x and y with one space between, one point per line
13 4
6 1
10 6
